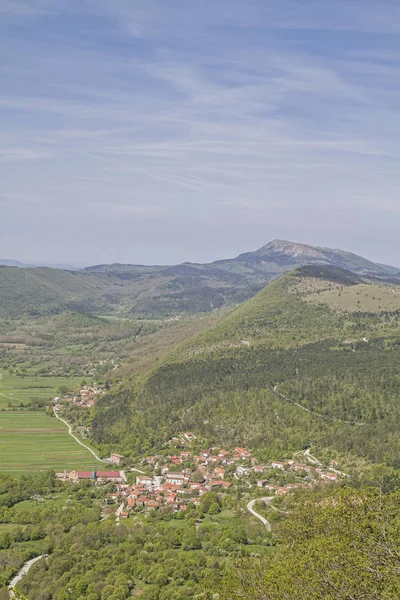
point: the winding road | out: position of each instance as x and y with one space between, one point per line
76 439
84 445
14 582
263 520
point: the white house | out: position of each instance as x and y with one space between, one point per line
176 478
144 480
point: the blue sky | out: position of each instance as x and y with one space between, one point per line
159 131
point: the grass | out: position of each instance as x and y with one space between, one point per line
6 527
32 441
15 389
362 297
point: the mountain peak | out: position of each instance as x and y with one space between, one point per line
286 255
291 248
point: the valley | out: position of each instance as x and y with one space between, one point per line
174 446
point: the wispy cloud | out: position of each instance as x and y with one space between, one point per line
238 120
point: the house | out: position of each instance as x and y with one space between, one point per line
141 501
186 456
117 459
98 476
240 471
176 478
223 453
152 504
219 472
260 469
214 485
189 436
300 467
278 465
124 514
268 486
262 482
144 480
243 453
329 476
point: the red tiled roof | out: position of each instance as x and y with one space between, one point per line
89 474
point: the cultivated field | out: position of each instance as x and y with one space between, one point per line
15 389
32 441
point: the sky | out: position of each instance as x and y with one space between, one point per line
163 131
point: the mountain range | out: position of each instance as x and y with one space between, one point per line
159 291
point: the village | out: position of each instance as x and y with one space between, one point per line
84 397
174 481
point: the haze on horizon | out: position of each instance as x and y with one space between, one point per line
158 131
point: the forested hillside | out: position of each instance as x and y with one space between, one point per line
294 366
137 291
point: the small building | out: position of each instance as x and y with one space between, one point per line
262 483
176 478
97 476
301 467
144 480
278 465
215 485
117 459
243 453
260 469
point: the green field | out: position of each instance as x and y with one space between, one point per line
32 441
15 389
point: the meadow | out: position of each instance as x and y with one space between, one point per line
17 389
33 441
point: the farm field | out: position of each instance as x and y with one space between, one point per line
15 389
32 441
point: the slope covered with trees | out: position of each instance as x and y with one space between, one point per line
283 371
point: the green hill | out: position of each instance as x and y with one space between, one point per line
291 367
137 291
43 290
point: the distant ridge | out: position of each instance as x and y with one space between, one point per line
161 291
7 262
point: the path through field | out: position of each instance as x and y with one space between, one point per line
76 439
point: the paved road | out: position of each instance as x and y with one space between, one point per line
260 517
21 574
76 439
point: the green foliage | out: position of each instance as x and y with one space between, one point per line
275 375
341 546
